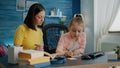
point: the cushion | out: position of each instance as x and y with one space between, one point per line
3 50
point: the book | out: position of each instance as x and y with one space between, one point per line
28 54
52 56
34 60
40 65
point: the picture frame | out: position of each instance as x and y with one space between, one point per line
20 5
29 3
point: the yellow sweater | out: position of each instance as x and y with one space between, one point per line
27 37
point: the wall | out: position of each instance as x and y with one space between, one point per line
76 6
87 10
10 18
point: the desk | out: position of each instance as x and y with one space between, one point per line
100 62
102 65
102 59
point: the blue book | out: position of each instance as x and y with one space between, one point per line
41 65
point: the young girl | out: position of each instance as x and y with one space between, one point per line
73 43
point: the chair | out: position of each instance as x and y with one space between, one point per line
51 35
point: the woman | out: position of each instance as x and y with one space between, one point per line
28 34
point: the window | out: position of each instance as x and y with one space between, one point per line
115 27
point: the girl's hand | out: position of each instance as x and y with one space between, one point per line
77 52
69 53
39 47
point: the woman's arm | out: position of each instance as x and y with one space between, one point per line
18 37
39 47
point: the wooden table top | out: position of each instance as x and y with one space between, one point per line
105 65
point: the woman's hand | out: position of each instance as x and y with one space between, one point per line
39 47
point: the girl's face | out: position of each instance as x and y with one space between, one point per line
39 18
75 30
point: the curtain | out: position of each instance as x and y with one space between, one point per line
104 14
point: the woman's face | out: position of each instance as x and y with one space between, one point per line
75 30
39 18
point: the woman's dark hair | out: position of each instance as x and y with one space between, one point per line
33 10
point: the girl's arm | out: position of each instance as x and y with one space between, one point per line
81 49
60 47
